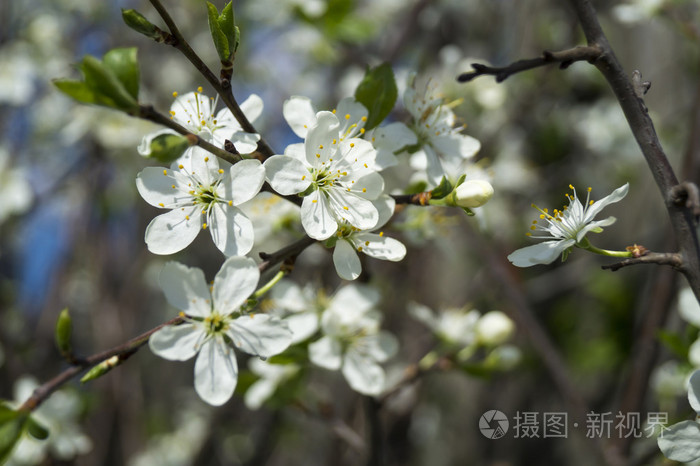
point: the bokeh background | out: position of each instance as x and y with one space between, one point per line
72 224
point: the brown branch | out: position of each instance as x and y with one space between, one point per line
565 58
147 112
287 252
420 199
222 87
683 219
42 392
673 259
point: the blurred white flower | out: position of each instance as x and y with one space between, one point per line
271 376
494 328
15 191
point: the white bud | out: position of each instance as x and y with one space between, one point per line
493 328
473 193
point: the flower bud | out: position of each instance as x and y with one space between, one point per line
493 328
473 193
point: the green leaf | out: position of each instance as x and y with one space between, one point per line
168 147
140 24
217 34
125 66
77 90
12 425
227 24
64 330
104 83
101 369
443 189
378 93
36 429
468 211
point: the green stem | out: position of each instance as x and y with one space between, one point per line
585 244
269 284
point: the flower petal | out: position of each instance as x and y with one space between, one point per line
163 188
234 283
176 342
231 231
246 179
359 297
245 143
363 374
390 139
381 346
352 116
611 198
287 175
215 372
302 326
300 114
186 289
258 393
370 186
316 216
358 212
454 144
379 247
346 262
173 231
385 206
319 144
593 226
261 335
542 253
326 353
252 107
144 147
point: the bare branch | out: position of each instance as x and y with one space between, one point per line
565 58
673 259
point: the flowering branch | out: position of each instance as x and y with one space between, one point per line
222 87
565 58
147 112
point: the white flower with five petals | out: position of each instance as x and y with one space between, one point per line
352 341
566 228
201 197
335 174
215 325
352 240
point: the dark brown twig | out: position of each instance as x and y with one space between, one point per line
565 58
661 258
223 87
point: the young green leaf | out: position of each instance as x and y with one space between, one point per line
12 425
125 66
221 42
140 24
168 147
77 90
64 330
36 429
377 92
104 83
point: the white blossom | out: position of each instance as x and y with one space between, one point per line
352 341
199 198
271 377
352 240
565 228
334 173
215 323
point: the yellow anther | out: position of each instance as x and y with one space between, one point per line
359 248
590 189
366 243
528 234
533 227
230 203
333 111
206 159
172 112
165 172
365 165
320 146
199 89
303 177
335 141
213 121
187 217
364 118
541 216
181 166
352 144
347 116
364 190
381 233
314 201
221 170
203 122
348 189
181 314
204 226
345 207
571 186
161 204
591 202
173 186
362 131
318 156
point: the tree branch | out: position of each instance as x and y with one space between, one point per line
223 88
565 58
683 219
673 259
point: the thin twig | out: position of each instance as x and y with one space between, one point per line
222 88
420 199
565 58
661 258
292 250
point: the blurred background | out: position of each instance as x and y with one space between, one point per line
586 340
